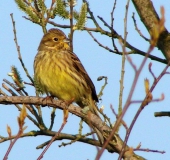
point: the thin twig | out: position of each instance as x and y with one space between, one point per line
101 45
103 87
76 139
161 114
120 112
112 30
123 122
114 35
149 150
61 136
9 90
150 70
21 122
12 143
128 99
13 86
91 14
30 84
131 63
136 27
29 107
141 108
71 25
128 45
123 61
52 139
18 50
19 108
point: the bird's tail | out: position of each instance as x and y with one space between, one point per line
94 110
93 107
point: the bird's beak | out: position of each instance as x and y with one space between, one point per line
67 40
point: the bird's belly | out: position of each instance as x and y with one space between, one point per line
62 85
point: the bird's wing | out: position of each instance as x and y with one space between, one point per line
82 72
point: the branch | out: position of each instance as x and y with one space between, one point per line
115 143
117 36
161 114
143 104
137 29
149 17
128 45
61 136
101 45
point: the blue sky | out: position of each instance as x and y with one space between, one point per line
153 133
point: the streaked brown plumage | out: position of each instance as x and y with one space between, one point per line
59 71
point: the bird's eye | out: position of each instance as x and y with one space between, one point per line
55 39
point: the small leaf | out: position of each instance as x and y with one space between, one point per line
82 17
9 131
129 153
75 15
24 128
146 81
60 10
16 77
22 116
21 5
138 146
27 8
158 28
41 5
102 108
148 93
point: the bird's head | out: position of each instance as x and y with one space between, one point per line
54 39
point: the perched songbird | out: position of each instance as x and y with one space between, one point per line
59 71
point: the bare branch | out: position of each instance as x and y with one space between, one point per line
136 27
18 49
115 143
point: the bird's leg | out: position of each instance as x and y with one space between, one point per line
68 102
65 110
49 97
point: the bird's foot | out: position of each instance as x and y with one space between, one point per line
48 98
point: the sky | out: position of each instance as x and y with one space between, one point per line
151 132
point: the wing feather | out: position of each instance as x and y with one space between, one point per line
82 73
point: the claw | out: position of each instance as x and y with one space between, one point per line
48 98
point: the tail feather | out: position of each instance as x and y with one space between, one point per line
93 109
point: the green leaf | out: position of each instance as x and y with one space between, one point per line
60 10
41 5
76 15
28 10
15 75
21 5
82 17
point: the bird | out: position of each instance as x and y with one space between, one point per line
59 72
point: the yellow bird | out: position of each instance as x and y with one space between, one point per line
59 71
